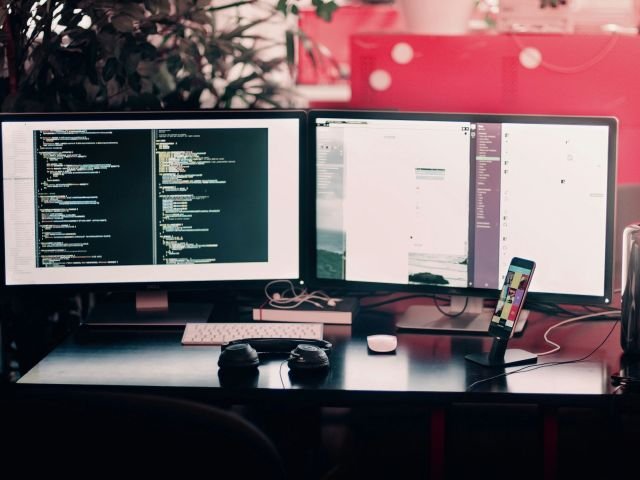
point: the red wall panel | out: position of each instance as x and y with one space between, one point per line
577 75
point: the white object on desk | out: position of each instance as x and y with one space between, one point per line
382 343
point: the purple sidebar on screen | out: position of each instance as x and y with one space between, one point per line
487 214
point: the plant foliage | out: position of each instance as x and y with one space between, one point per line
83 55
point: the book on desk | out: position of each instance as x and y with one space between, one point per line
342 313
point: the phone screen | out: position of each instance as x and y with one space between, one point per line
512 296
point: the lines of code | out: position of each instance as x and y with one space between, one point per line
212 195
143 197
89 212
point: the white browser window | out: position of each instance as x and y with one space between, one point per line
554 198
451 202
403 182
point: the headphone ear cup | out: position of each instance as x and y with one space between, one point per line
308 358
239 356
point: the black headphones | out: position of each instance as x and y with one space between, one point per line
304 355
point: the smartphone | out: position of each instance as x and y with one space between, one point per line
512 297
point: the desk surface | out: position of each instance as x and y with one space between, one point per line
425 366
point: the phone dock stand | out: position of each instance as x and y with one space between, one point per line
500 356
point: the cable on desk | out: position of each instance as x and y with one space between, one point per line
280 372
529 368
571 320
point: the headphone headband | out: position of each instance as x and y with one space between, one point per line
280 345
305 355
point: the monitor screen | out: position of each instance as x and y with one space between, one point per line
442 202
151 198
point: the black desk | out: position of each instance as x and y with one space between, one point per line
424 368
427 371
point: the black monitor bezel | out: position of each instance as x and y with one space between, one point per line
540 297
208 285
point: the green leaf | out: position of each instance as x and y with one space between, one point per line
162 7
291 54
238 31
135 11
173 64
146 85
122 23
148 28
80 37
282 6
325 9
201 17
184 84
165 7
149 101
148 51
91 91
183 6
146 68
92 61
164 81
107 42
151 5
109 69
230 5
69 18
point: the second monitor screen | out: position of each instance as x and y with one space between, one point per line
450 202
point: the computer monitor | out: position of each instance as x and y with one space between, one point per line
151 202
440 203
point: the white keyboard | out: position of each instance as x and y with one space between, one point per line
221 333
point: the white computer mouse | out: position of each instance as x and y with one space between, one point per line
382 343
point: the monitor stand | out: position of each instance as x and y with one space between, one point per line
151 308
475 318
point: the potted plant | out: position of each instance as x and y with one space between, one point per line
85 55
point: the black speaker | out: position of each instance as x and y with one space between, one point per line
630 297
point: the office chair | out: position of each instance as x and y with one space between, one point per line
88 433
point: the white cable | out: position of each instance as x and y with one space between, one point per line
597 58
292 297
571 320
